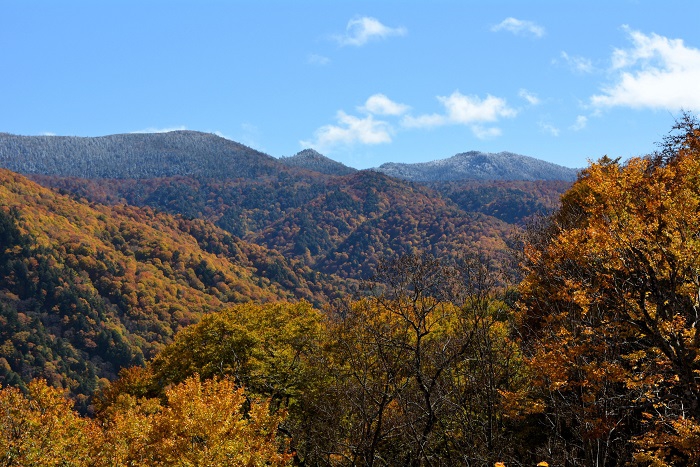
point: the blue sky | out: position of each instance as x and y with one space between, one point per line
363 82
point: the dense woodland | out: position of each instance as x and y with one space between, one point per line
460 333
339 225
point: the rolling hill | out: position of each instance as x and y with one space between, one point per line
205 155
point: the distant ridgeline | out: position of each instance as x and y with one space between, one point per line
147 155
475 165
192 153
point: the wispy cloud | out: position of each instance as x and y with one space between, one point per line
520 27
656 72
485 132
549 128
315 59
361 30
379 104
470 111
350 130
531 98
577 63
580 124
161 130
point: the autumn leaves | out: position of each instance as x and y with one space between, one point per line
611 306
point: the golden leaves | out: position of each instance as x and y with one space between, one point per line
201 423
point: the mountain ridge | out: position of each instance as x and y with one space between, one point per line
198 154
477 165
134 155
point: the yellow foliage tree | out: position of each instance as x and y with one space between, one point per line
41 429
203 423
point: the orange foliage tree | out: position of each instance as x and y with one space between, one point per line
611 303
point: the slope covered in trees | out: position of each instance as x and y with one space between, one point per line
312 160
340 226
592 359
88 289
192 153
513 202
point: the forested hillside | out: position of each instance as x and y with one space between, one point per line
192 153
88 289
591 359
312 160
340 225
293 315
513 202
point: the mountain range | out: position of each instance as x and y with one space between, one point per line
191 153
111 245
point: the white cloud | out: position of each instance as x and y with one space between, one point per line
350 130
578 64
465 110
162 130
379 104
48 133
469 109
581 122
485 133
548 128
315 59
656 72
520 27
361 30
424 121
531 98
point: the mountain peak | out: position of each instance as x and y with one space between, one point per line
476 165
310 159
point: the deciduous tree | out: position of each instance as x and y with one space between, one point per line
612 308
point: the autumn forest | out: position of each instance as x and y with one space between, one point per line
281 315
